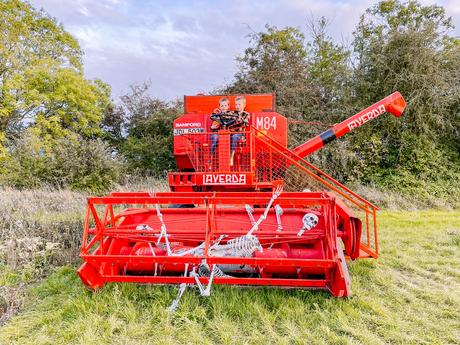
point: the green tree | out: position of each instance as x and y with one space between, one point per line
147 122
407 47
41 79
73 161
48 110
329 69
331 73
397 45
276 61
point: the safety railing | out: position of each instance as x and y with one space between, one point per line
274 162
219 151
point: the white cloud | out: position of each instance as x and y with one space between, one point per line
186 47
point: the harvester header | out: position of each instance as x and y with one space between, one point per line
243 208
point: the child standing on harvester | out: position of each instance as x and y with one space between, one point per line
235 121
242 121
219 118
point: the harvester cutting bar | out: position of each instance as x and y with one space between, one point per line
298 283
124 243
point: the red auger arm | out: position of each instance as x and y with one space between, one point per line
394 104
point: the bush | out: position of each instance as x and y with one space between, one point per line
66 162
141 128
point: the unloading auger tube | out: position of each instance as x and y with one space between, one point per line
235 224
394 104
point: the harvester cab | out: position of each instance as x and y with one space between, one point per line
203 167
257 212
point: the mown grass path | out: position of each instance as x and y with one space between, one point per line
410 295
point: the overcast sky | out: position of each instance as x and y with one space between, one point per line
186 47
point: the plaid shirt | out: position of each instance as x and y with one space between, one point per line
244 117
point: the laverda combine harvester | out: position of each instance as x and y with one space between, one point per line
270 218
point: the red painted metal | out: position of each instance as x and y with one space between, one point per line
205 104
161 237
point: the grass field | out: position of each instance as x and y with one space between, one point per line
411 295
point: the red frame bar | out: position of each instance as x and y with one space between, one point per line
302 283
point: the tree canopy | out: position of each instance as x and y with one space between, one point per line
41 78
146 121
43 92
408 47
396 45
48 107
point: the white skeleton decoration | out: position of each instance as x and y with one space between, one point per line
143 227
163 232
243 246
276 193
279 213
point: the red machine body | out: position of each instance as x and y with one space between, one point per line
264 216
199 169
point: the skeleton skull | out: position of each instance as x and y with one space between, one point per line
310 220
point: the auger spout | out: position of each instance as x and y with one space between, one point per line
394 104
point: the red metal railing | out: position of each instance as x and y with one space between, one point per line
272 163
279 163
219 151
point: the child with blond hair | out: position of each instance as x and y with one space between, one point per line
220 117
242 121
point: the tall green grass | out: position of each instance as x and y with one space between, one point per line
49 221
411 295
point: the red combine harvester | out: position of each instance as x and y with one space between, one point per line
260 215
